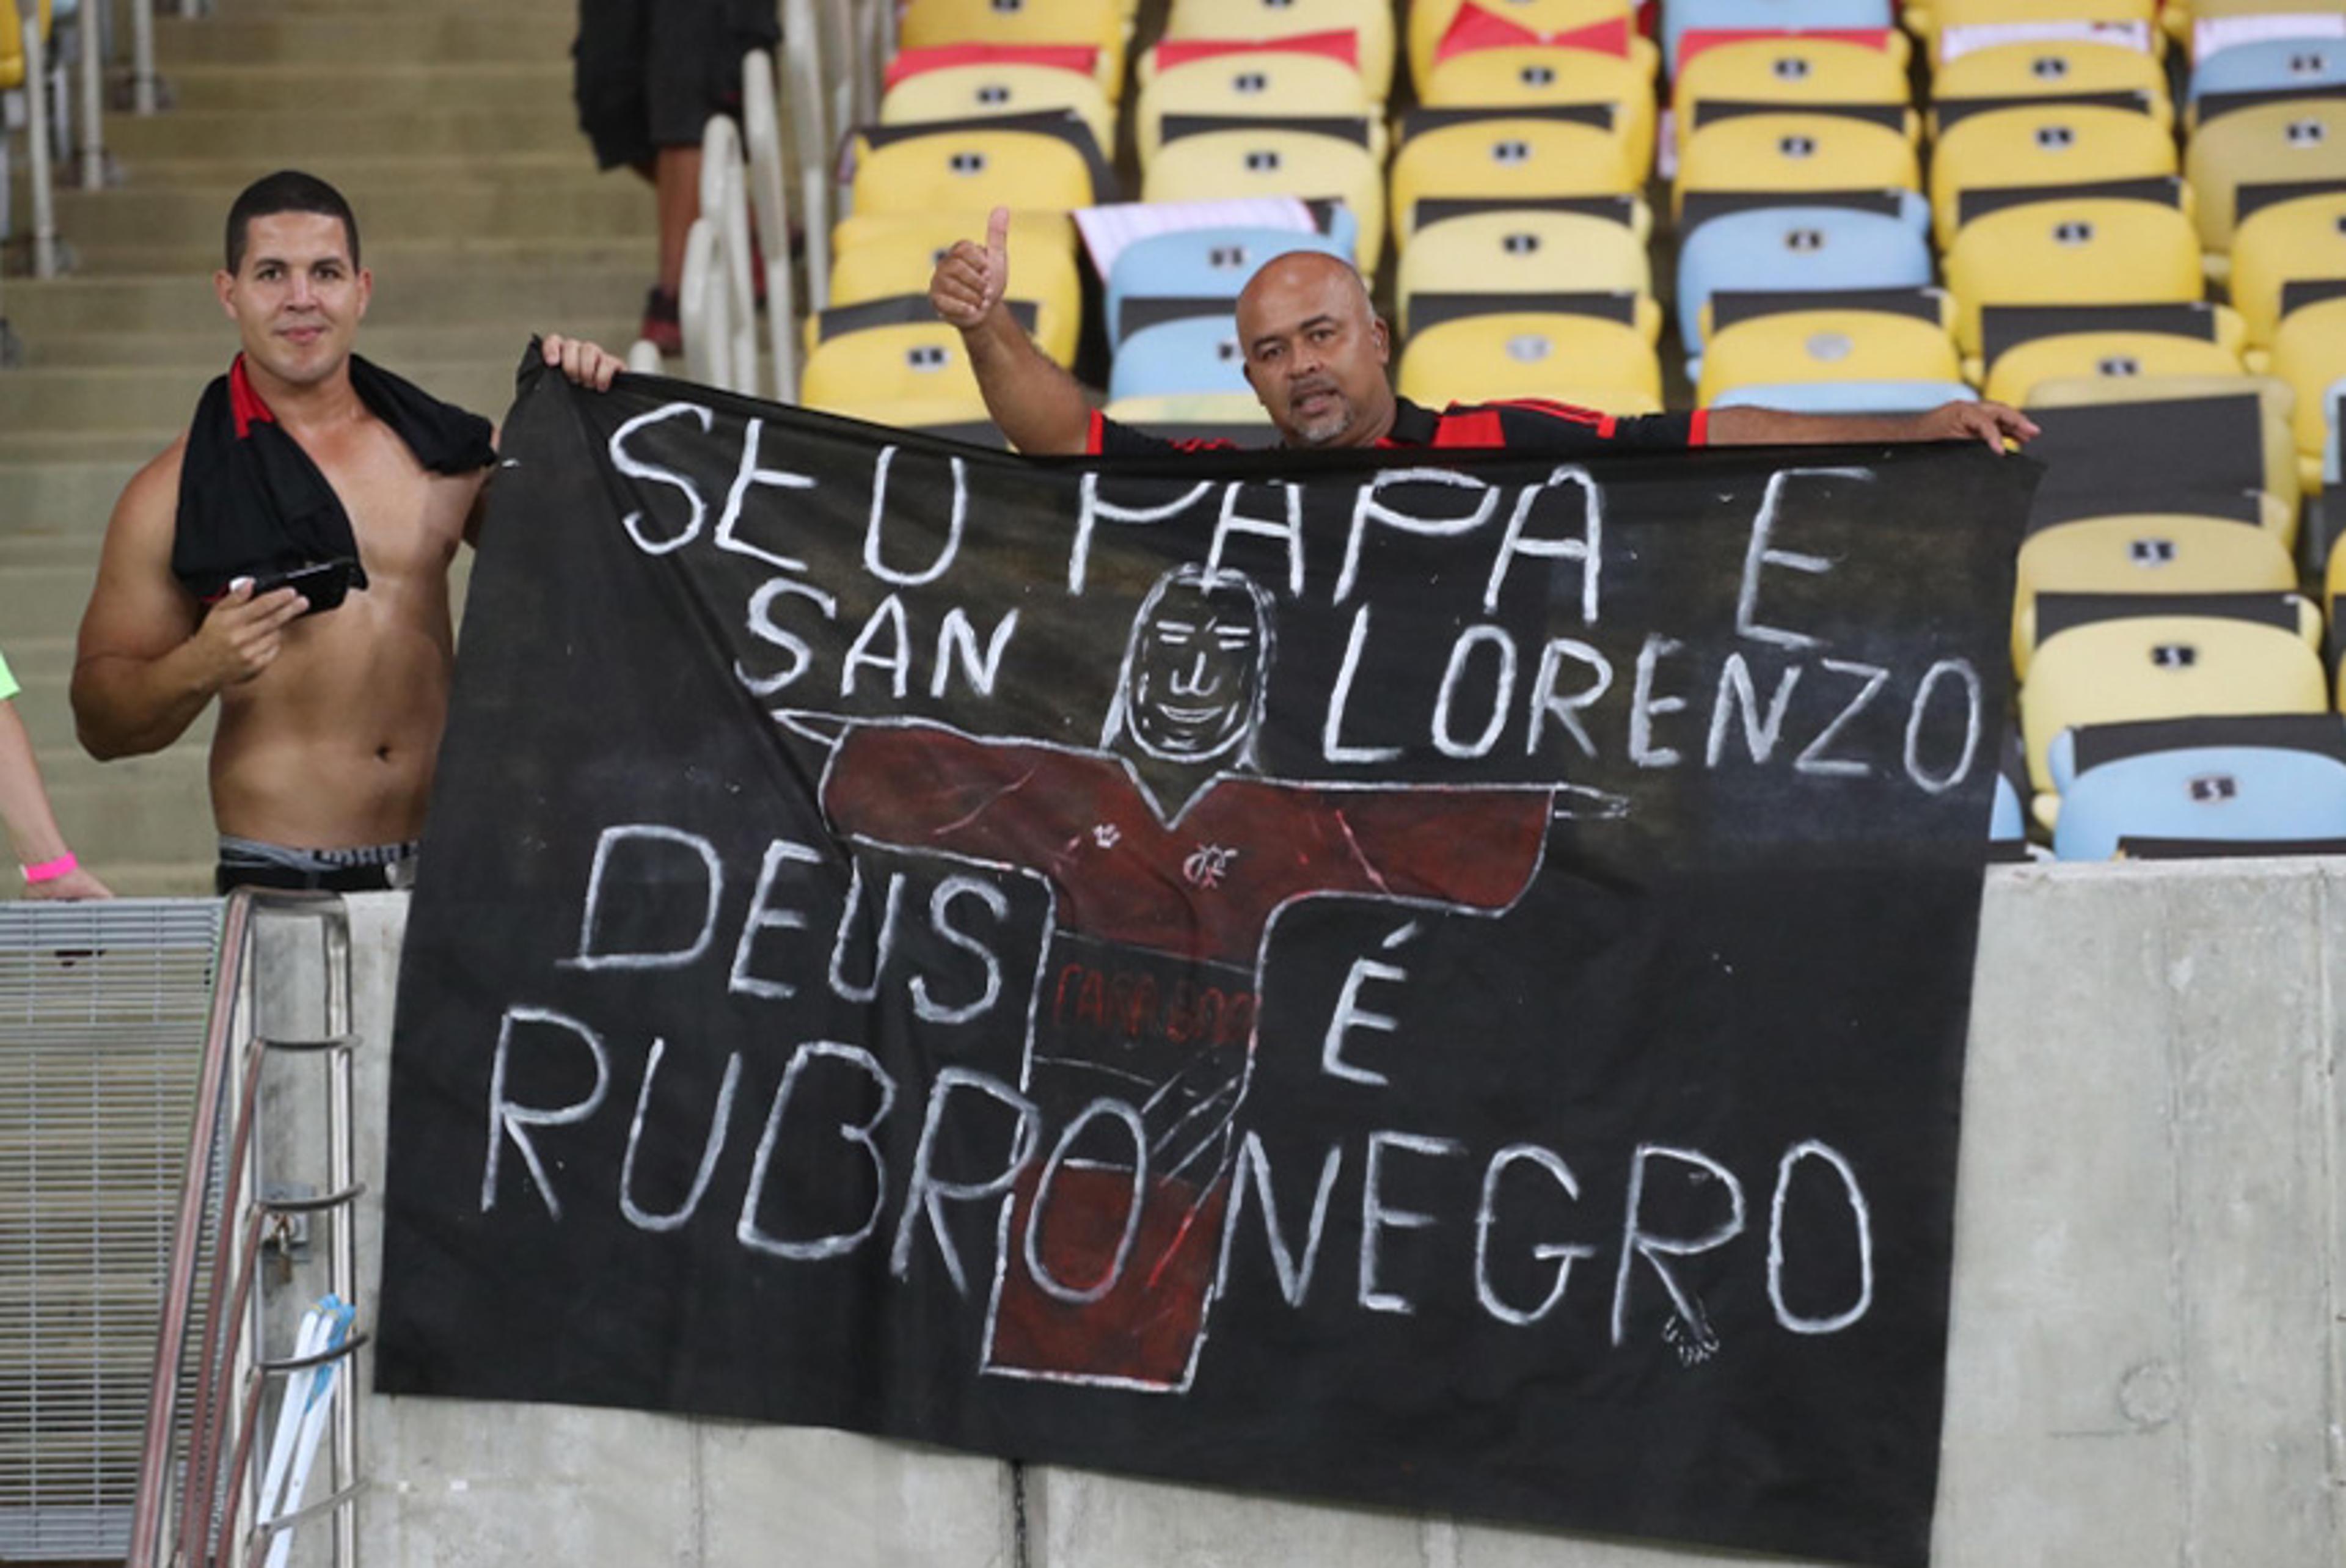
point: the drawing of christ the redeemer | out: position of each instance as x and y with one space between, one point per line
1168 858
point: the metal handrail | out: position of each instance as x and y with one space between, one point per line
93 95
716 302
142 56
761 145
230 1371
36 146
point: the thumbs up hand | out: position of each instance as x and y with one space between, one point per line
970 279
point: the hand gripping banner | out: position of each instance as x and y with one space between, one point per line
1436 979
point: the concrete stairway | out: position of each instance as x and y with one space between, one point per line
449 124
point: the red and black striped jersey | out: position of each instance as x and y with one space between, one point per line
1534 426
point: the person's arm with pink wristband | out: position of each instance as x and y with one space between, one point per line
51 871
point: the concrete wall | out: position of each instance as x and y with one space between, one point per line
2148 1361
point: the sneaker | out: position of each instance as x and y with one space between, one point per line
663 327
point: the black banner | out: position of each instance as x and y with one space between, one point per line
1440 984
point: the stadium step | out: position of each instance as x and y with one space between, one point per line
542 87
43 666
432 202
208 350
54 497
453 287
349 39
134 808
42 600
567 8
482 132
200 255
83 399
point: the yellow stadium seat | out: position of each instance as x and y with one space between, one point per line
1623 402
1541 21
2041 144
2302 140
1100 23
12 41
1791 153
972 170
1478 359
2302 240
1638 311
2218 324
1792 70
1522 253
2167 666
968 92
914 364
2086 250
935 232
940 413
1043 275
1519 159
2309 352
1213 166
2054 68
1825 345
1262 83
2143 552
2277 404
1540 75
2199 320
2117 356
1371 22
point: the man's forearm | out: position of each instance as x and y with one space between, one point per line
1779 427
1040 407
128 706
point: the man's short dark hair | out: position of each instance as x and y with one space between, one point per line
287 190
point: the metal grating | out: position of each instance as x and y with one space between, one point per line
102 1015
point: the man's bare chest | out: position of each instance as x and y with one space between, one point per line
404 518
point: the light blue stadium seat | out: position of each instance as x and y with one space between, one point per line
2007 823
1680 17
1201 263
1805 249
2240 779
2271 65
1199 354
2008 817
1845 397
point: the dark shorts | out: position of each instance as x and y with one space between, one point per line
649 73
368 868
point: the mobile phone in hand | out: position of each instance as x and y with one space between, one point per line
324 583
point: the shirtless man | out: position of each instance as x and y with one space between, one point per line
330 725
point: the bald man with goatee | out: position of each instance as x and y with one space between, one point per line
1316 355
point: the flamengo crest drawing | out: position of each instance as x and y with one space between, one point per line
1439 984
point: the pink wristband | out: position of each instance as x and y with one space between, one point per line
65 865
